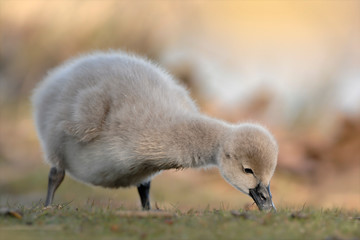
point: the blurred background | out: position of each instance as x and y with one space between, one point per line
293 66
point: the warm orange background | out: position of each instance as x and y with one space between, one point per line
291 65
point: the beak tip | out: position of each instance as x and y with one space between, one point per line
274 210
263 199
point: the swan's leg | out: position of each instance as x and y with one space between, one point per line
143 190
56 176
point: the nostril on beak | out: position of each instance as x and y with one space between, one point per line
262 197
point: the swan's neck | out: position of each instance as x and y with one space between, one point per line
195 142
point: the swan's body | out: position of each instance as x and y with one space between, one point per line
115 120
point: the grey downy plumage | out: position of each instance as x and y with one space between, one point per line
116 120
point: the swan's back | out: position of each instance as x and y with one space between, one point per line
122 88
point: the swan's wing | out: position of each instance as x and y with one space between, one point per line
89 113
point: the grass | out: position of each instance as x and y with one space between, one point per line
65 221
88 212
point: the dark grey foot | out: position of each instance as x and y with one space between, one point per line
143 190
56 176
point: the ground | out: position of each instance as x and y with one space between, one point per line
64 221
197 205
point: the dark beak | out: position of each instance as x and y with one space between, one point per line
262 197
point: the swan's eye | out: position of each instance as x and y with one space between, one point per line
248 170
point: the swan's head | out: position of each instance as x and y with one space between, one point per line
247 161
